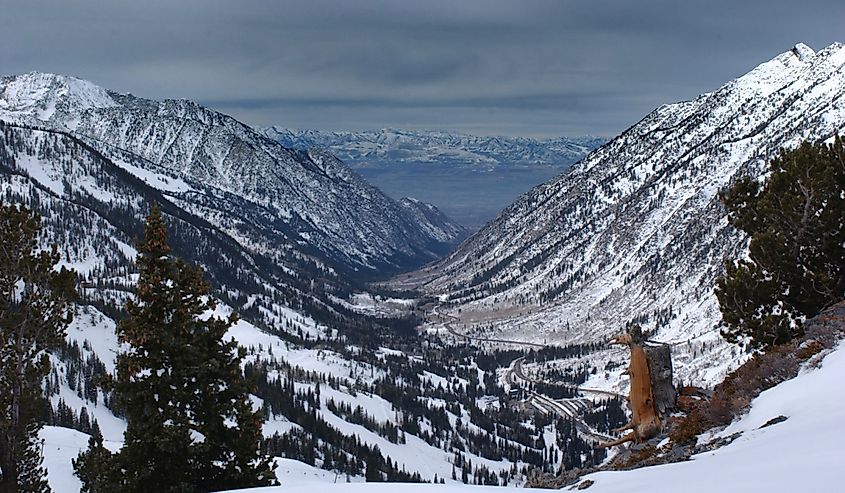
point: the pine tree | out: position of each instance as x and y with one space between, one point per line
190 423
98 468
372 473
34 312
796 264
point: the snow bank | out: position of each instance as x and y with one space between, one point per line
803 453
372 487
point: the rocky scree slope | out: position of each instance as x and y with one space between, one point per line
271 197
635 232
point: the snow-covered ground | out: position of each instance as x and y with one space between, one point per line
803 453
61 445
800 454
93 331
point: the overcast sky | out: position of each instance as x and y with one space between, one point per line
520 67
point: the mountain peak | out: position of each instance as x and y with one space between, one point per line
803 51
41 94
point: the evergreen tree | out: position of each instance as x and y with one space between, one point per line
34 312
372 473
98 468
190 423
796 264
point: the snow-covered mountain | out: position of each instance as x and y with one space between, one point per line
390 147
341 375
271 197
635 232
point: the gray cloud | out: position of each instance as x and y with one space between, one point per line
528 67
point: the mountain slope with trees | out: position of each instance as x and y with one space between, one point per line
343 386
636 233
273 199
35 309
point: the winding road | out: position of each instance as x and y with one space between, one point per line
567 408
448 327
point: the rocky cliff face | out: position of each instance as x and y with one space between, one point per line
635 232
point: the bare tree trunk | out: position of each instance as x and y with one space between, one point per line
652 395
660 370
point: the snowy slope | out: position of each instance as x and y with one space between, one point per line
297 321
301 321
635 231
93 208
391 147
800 454
233 175
93 331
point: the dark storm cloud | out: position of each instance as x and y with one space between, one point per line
511 67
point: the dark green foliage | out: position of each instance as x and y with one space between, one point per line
34 312
98 468
373 475
796 222
190 423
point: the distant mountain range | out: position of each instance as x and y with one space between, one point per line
470 178
388 147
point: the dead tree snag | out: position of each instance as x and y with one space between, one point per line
652 393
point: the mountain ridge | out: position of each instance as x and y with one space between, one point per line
634 233
310 196
470 178
388 146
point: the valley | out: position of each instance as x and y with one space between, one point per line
383 339
470 178
344 379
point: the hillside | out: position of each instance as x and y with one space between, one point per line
635 231
799 453
342 375
274 199
313 339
